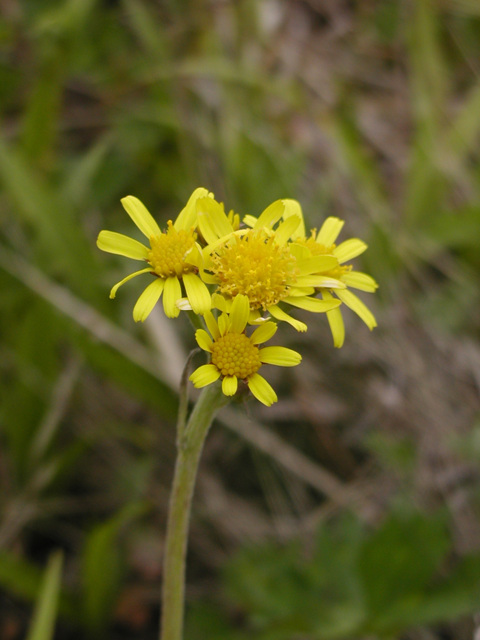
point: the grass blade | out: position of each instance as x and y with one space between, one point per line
43 623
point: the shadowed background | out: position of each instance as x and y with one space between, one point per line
350 508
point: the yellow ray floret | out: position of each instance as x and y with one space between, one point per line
173 257
323 244
235 356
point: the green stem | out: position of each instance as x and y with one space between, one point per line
195 320
188 457
183 397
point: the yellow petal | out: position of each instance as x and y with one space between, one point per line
197 293
219 302
319 281
280 356
208 278
220 242
255 317
329 231
264 333
261 389
316 264
355 304
313 304
121 245
132 275
284 230
271 215
277 313
172 293
303 291
349 249
360 280
141 216
204 341
230 385
293 208
223 324
212 325
207 258
187 218
335 321
249 221
337 327
205 222
206 374
148 300
234 219
212 221
239 313
300 251
194 256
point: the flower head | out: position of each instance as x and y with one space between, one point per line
323 244
262 263
235 356
173 257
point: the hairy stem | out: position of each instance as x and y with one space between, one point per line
190 447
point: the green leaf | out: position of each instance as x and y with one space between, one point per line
19 576
426 183
355 583
59 240
34 340
103 566
43 623
142 21
397 563
209 621
456 229
135 380
79 182
24 579
41 116
455 596
286 595
463 135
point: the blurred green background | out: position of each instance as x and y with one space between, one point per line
351 508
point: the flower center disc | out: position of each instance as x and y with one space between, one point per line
255 266
234 355
168 251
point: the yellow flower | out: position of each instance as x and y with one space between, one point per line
323 244
235 356
174 258
262 263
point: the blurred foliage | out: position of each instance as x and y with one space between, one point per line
365 110
354 583
43 622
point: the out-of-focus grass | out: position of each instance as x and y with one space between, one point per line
368 111
45 615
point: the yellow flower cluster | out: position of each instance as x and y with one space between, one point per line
247 273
